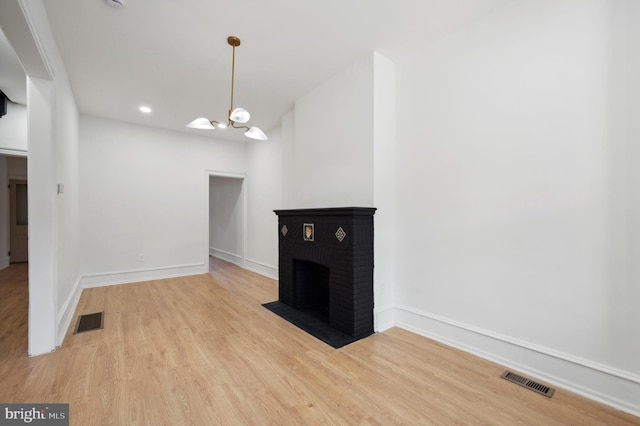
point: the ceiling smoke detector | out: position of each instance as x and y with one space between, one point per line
118 4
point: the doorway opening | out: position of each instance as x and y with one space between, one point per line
14 256
226 221
18 221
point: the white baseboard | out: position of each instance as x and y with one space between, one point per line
261 268
68 308
384 319
268 271
4 262
225 255
126 277
610 386
66 311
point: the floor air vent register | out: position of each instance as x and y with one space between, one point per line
89 322
528 383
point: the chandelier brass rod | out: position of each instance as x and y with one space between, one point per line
233 124
233 78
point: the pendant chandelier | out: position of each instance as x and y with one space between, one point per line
236 115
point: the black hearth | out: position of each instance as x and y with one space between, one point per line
326 272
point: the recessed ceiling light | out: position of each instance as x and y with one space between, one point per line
118 4
145 109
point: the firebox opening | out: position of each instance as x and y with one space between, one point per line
311 284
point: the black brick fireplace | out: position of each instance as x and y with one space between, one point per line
326 266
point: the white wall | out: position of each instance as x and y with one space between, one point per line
265 176
384 190
43 286
51 119
325 154
4 214
334 141
144 191
13 130
67 205
287 147
227 218
320 156
513 230
632 290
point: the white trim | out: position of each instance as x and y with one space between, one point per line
530 346
236 259
245 221
14 152
268 271
4 262
66 311
261 268
133 276
17 177
68 308
608 385
36 41
384 318
224 174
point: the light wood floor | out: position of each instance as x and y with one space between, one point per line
201 350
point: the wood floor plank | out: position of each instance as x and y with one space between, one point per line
202 350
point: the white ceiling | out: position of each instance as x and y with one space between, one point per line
172 55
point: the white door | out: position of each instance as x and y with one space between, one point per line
19 217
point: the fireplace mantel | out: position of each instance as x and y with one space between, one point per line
340 239
328 211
